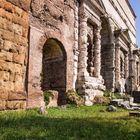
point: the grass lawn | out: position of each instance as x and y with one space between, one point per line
84 123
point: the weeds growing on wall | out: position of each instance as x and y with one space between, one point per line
47 94
112 95
74 98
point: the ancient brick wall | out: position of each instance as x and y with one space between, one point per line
50 19
13 53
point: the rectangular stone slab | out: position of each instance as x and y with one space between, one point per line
135 114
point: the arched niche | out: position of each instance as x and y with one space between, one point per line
54 68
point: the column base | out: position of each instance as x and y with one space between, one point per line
89 87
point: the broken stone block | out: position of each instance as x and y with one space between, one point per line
135 114
88 103
117 102
111 108
53 99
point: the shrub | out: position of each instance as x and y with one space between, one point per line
101 100
108 93
47 94
74 98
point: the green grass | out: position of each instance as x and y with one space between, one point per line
84 123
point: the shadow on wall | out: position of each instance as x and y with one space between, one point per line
54 68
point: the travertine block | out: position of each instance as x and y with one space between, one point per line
16 104
2 105
3 95
18 58
4 75
20 95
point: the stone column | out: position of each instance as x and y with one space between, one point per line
75 51
137 73
126 66
135 70
111 67
138 76
132 69
83 43
97 63
117 62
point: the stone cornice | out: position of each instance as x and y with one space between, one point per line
126 15
131 8
121 33
94 4
137 51
111 1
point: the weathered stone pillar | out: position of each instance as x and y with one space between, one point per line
97 63
83 44
138 74
135 68
132 69
126 66
111 68
75 51
117 62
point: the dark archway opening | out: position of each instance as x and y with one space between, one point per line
122 68
90 55
54 68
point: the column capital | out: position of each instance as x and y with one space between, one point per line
83 14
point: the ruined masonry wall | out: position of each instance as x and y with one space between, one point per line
13 53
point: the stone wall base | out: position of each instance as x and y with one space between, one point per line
12 100
89 87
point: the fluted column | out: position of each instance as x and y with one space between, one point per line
97 63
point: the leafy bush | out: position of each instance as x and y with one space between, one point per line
108 93
101 100
47 94
74 98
